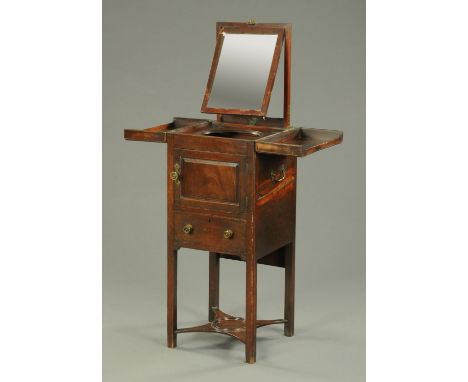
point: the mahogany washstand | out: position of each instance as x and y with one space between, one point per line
231 186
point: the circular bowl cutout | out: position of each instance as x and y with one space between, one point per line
233 133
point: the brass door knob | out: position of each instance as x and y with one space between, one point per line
228 234
188 229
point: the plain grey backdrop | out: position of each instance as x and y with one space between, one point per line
156 58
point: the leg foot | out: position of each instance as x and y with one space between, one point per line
172 341
250 358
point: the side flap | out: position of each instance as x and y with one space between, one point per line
158 133
298 141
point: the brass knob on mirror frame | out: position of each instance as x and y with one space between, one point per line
188 229
228 234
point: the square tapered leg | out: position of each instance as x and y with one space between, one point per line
213 285
289 261
171 296
251 309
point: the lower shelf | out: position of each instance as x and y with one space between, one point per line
226 324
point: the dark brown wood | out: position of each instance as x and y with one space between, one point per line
275 258
171 263
287 76
251 308
251 194
224 323
253 121
241 28
289 269
158 133
152 134
275 203
208 233
273 173
236 24
251 272
299 142
213 285
171 296
231 191
206 143
211 181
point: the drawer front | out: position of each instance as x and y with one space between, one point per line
210 233
210 181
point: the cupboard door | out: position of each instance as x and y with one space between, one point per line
210 181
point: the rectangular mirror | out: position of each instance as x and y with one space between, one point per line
243 70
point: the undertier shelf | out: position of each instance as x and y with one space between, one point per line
224 323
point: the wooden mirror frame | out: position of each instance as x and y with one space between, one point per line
284 32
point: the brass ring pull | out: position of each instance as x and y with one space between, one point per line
228 234
188 229
278 176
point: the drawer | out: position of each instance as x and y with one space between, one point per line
210 233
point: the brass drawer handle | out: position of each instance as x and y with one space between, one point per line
278 176
175 175
188 229
228 234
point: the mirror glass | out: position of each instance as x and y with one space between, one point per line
242 72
